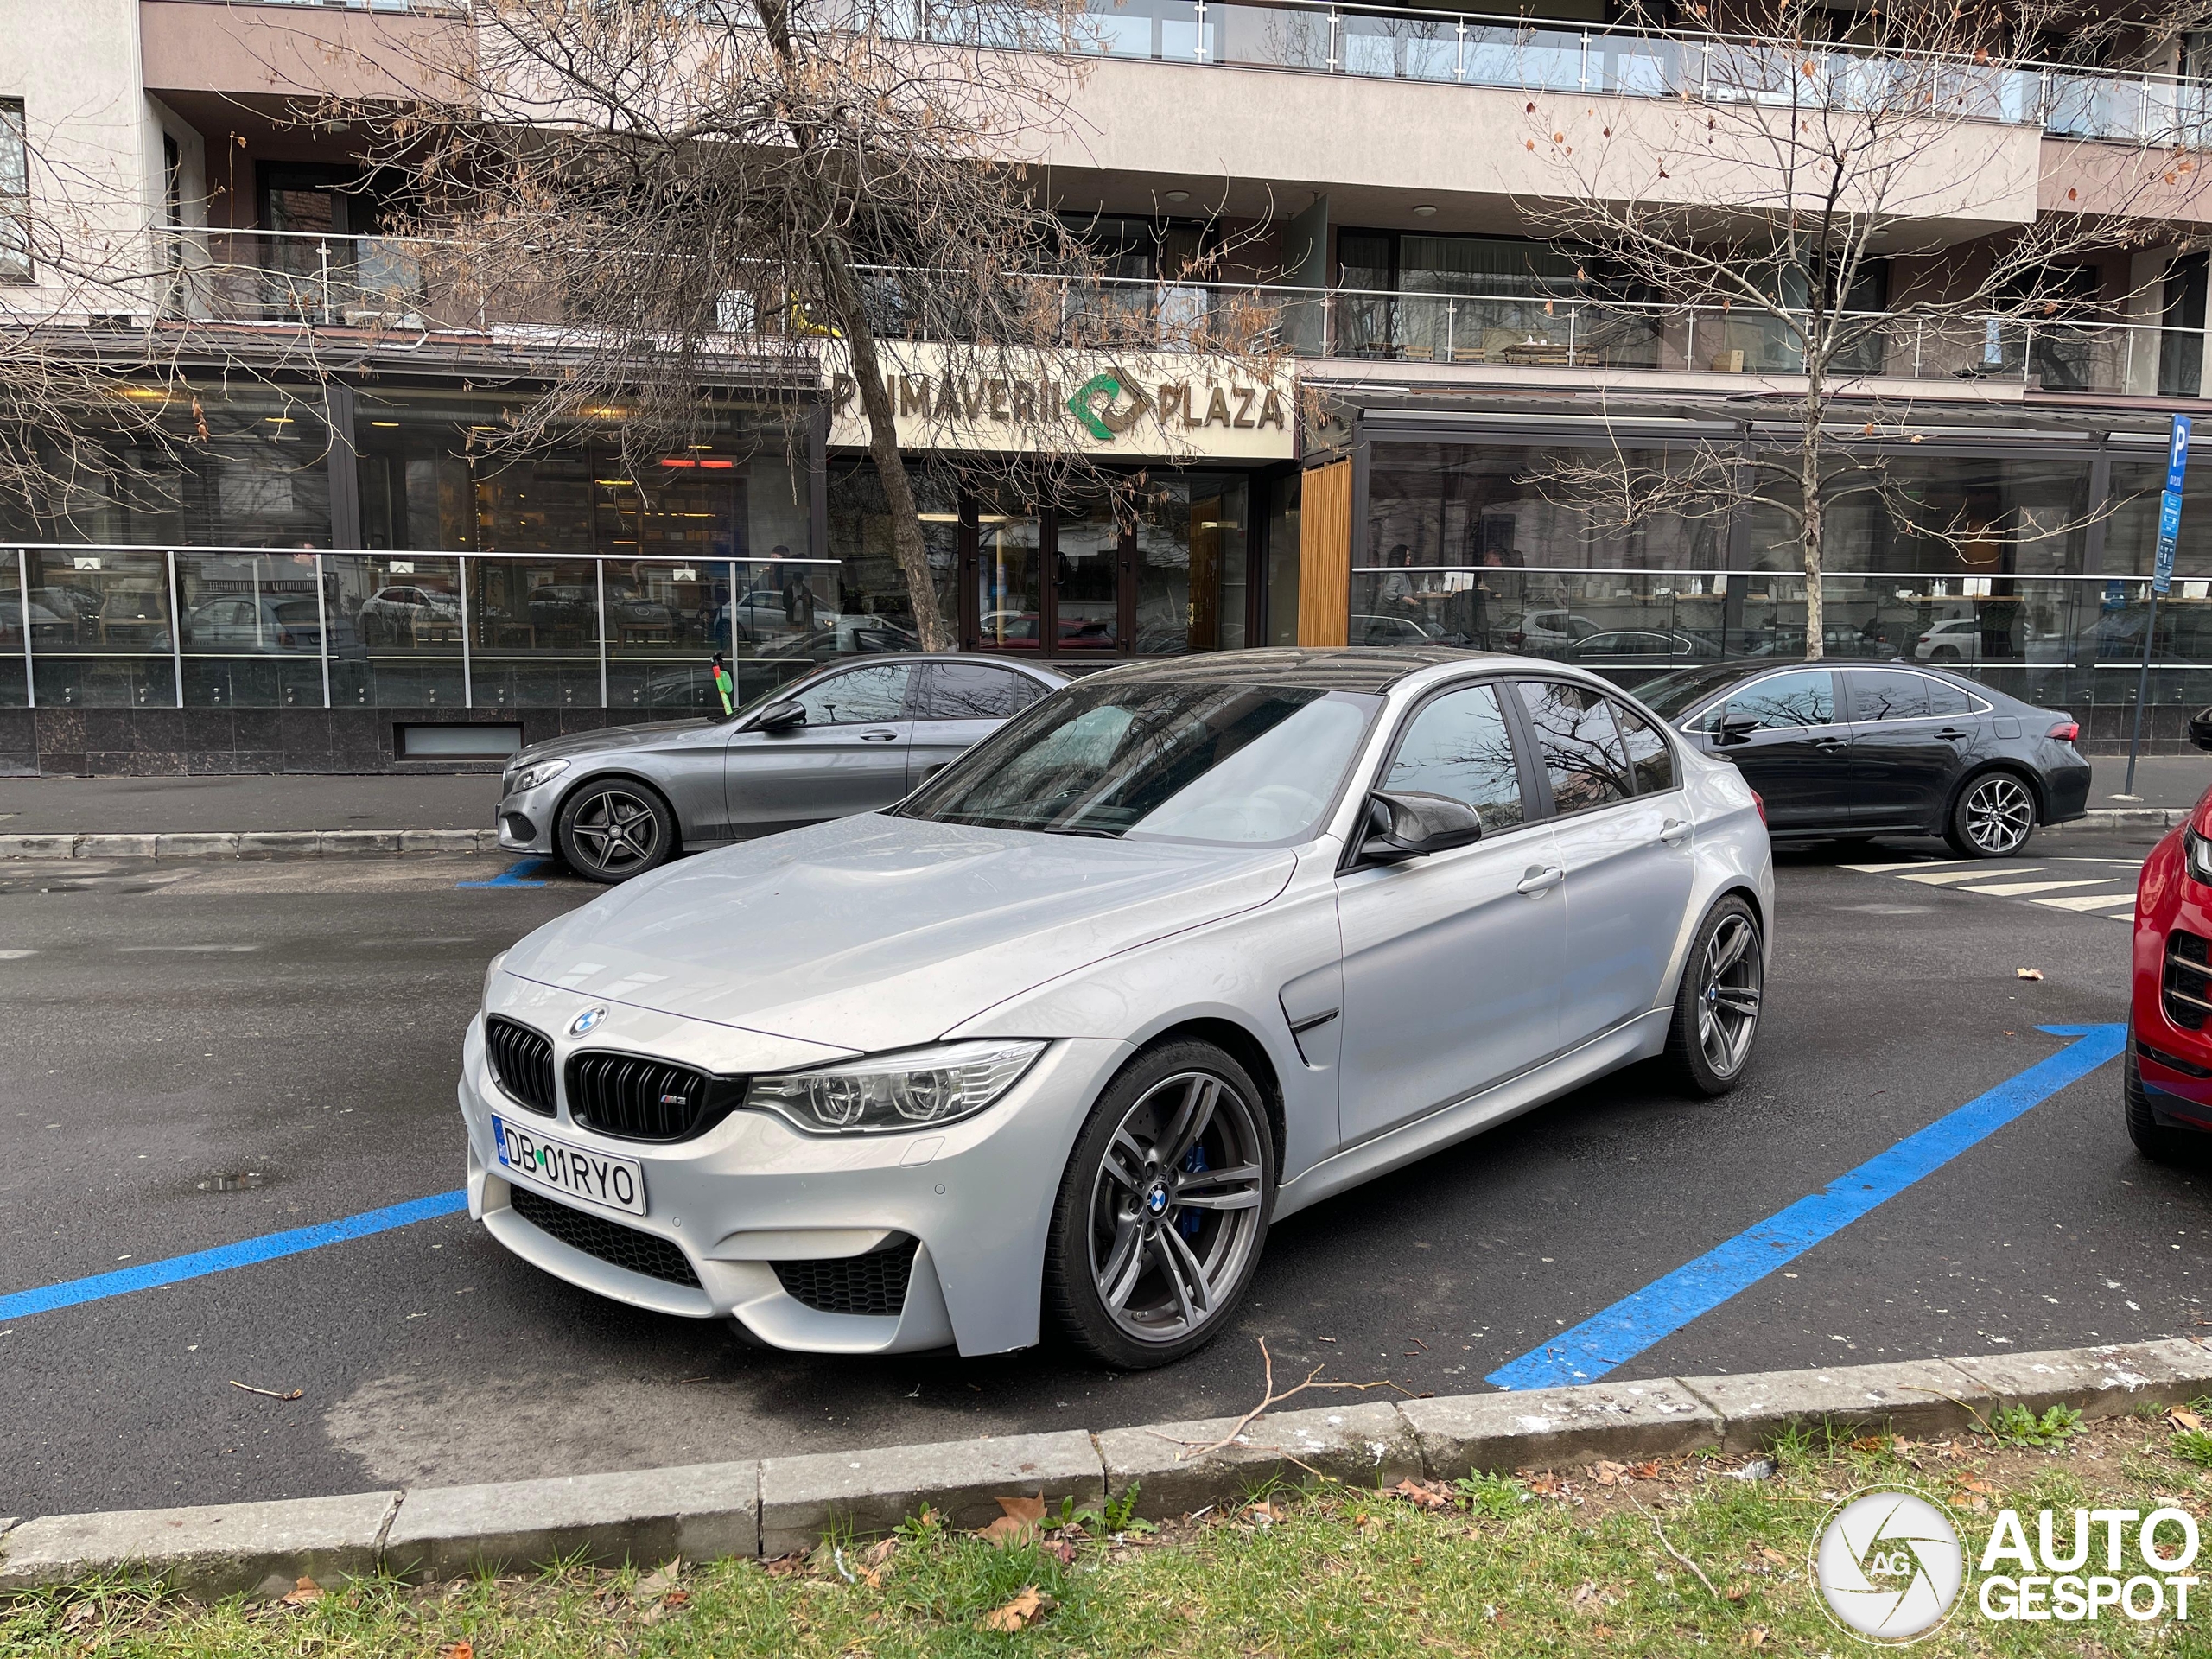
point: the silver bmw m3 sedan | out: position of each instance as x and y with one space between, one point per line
1047 1046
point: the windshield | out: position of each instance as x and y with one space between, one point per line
1227 764
1670 695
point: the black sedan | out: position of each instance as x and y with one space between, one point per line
1852 750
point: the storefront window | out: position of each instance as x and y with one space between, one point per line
534 632
395 630
1285 496
252 630
1945 514
100 629
18 620
870 589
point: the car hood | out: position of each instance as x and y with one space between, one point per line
612 737
873 932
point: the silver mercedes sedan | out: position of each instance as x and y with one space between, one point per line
1186 947
856 736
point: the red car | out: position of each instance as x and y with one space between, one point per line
2168 1071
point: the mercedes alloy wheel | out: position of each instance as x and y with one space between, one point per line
611 832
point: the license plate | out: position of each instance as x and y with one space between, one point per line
618 1183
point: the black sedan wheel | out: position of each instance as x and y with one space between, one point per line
1994 817
614 830
1163 1210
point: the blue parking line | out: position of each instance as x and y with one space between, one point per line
1636 1322
177 1269
513 875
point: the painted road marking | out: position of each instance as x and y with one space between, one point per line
2016 889
190 949
1639 1321
1979 873
513 875
2091 901
2117 876
177 1269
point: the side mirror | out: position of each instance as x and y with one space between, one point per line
1407 825
785 716
2200 728
1736 729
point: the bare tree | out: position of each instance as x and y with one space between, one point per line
687 196
1739 222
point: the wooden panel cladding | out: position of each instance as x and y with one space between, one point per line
1324 554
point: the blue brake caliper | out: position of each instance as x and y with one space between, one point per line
1190 1221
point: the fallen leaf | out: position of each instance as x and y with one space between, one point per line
785 1567
656 1583
1546 1485
1975 1483
1602 1632
1585 1599
1608 1474
1429 1498
1767 1552
2027 973
1869 1443
306 1593
1017 1613
1023 1518
1757 1636
1645 1470
2182 1418
463 1648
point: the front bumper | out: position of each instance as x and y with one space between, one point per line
2173 1057
525 819
976 1196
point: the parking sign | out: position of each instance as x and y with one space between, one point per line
2162 577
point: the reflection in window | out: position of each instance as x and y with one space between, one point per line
1459 747
1649 760
15 194
971 691
1782 701
1886 697
858 698
1581 748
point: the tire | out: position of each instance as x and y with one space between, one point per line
1993 817
1717 1008
1944 654
2154 1140
1136 1274
610 830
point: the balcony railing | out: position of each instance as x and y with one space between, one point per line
397 286
1523 54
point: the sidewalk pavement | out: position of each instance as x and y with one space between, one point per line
257 803
262 803
2160 779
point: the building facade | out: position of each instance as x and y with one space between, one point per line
343 564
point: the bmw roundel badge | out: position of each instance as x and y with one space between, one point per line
587 1021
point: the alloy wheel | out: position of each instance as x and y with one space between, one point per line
1175 1206
1999 813
1729 984
617 831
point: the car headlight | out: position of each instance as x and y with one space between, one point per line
2199 851
908 1090
531 776
490 973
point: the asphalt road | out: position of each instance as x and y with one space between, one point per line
192 1056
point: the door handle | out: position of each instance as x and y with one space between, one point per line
879 737
1541 878
1954 734
1674 832
1829 742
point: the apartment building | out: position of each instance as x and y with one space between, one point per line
333 574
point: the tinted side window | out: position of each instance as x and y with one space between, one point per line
1804 698
1579 745
1650 762
971 691
1944 698
1459 745
858 696
1879 696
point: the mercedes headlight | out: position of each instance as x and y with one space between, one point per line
531 776
908 1090
2199 856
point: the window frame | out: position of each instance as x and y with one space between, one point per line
1535 801
1977 705
922 703
14 113
907 696
1606 695
1667 741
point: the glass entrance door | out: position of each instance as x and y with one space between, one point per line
1008 580
1087 571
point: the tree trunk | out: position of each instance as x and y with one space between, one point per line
846 299
1814 525
906 544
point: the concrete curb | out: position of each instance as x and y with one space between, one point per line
255 844
2125 817
771 1506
